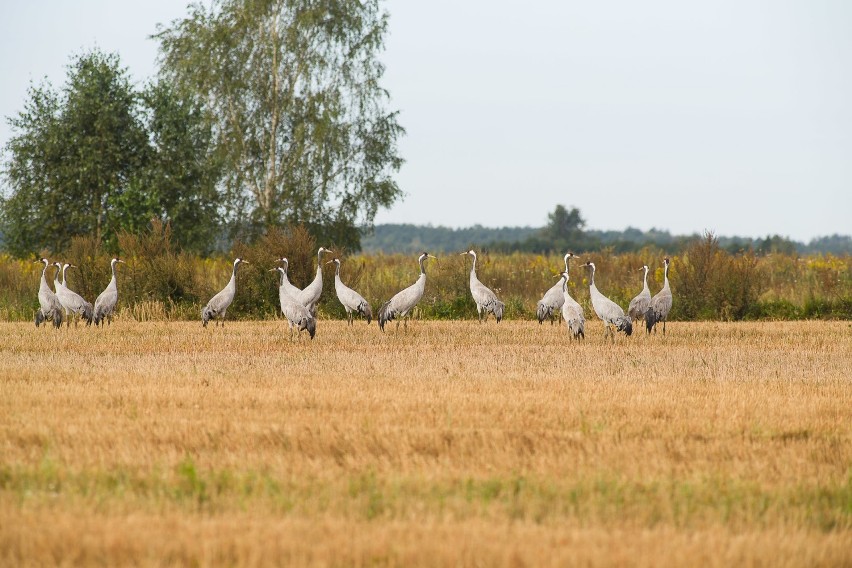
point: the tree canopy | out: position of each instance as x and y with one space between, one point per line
300 119
98 157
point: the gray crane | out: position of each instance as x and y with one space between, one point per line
311 293
71 301
298 316
609 312
49 306
661 303
285 280
486 300
552 301
572 312
639 305
105 303
401 304
351 300
218 304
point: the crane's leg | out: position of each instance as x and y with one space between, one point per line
479 313
664 327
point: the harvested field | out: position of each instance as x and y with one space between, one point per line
453 443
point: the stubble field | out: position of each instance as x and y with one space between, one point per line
452 444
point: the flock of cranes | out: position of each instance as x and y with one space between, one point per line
299 306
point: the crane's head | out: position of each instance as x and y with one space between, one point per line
644 267
426 255
335 261
117 260
240 260
470 252
589 264
666 261
323 249
564 275
570 254
285 261
45 261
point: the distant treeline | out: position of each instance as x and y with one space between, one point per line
406 238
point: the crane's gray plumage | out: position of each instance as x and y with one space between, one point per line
609 312
639 305
661 303
486 300
71 301
218 304
298 316
105 303
401 304
572 312
351 300
552 301
310 295
49 306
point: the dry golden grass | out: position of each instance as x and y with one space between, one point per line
454 443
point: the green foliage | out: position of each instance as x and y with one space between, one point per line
715 285
298 113
100 158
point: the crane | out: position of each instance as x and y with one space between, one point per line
71 300
609 312
486 300
572 312
298 316
351 300
218 304
551 302
49 306
105 303
661 303
639 305
285 280
311 293
401 304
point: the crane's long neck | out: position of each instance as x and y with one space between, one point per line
666 276
337 270
592 278
566 263
473 268
283 275
113 270
645 280
422 266
319 259
63 275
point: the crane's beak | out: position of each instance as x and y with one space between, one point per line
272 269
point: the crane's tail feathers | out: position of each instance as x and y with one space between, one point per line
311 326
86 313
56 316
498 310
386 314
650 319
623 324
543 311
365 310
206 315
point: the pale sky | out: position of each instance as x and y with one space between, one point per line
734 116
